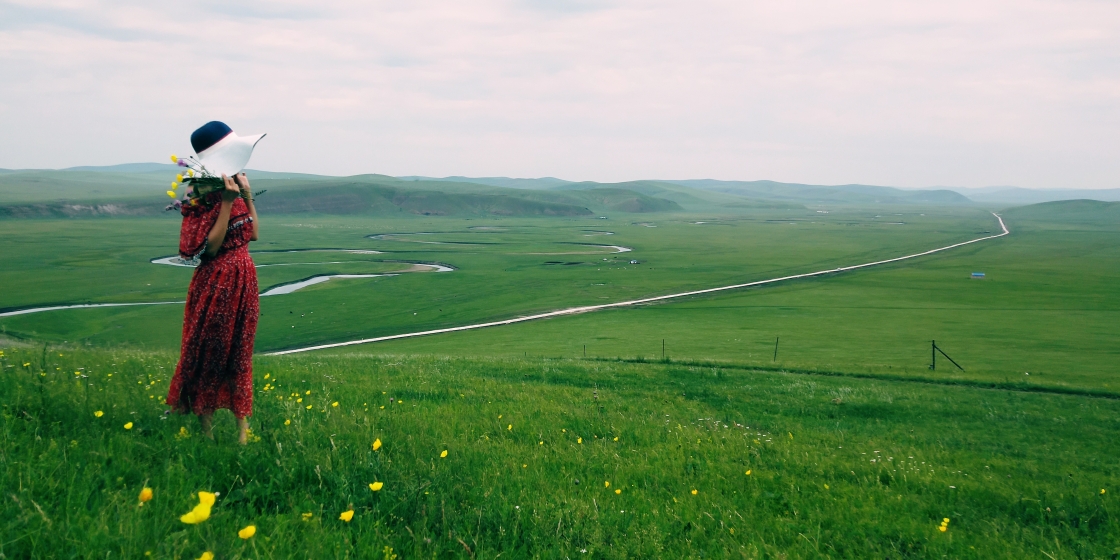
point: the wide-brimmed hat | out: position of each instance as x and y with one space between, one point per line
222 151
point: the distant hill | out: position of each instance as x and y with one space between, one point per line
822 194
1083 213
507 182
1014 196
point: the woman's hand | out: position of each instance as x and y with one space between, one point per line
243 184
232 192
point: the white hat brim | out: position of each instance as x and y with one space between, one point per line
230 155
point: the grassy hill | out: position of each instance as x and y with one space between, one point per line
548 458
1070 213
58 194
820 194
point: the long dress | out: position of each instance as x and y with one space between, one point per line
220 321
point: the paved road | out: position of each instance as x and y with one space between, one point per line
590 308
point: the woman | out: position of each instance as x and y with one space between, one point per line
216 362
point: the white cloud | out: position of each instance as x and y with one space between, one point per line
911 94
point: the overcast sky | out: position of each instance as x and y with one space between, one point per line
954 92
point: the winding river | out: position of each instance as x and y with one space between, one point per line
278 290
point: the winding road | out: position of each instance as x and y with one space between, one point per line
590 308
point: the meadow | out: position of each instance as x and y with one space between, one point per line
505 267
543 458
576 437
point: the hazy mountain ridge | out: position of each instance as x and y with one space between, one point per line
136 189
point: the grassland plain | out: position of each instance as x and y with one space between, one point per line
1044 316
505 267
548 459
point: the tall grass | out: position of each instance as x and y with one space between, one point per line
838 467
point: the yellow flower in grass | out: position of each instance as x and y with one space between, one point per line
444 454
606 484
335 404
308 407
510 427
617 490
98 413
183 433
376 486
288 422
579 441
307 516
1102 491
206 556
248 532
695 491
201 512
346 515
377 444
145 495
128 426
748 472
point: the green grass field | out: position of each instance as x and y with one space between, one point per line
701 463
523 266
854 448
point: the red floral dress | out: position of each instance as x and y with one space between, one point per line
220 322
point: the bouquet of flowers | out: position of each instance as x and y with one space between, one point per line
197 182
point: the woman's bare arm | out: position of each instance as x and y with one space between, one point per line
247 194
217 233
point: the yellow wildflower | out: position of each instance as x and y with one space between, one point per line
617 490
248 532
308 407
299 400
206 556
183 433
98 413
510 427
308 392
128 426
288 422
1102 491
377 444
444 454
267 375
145 494
201 512
606 484
346 515
694 491
376 486
616 438
579 441
748 472
307 516
335 404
